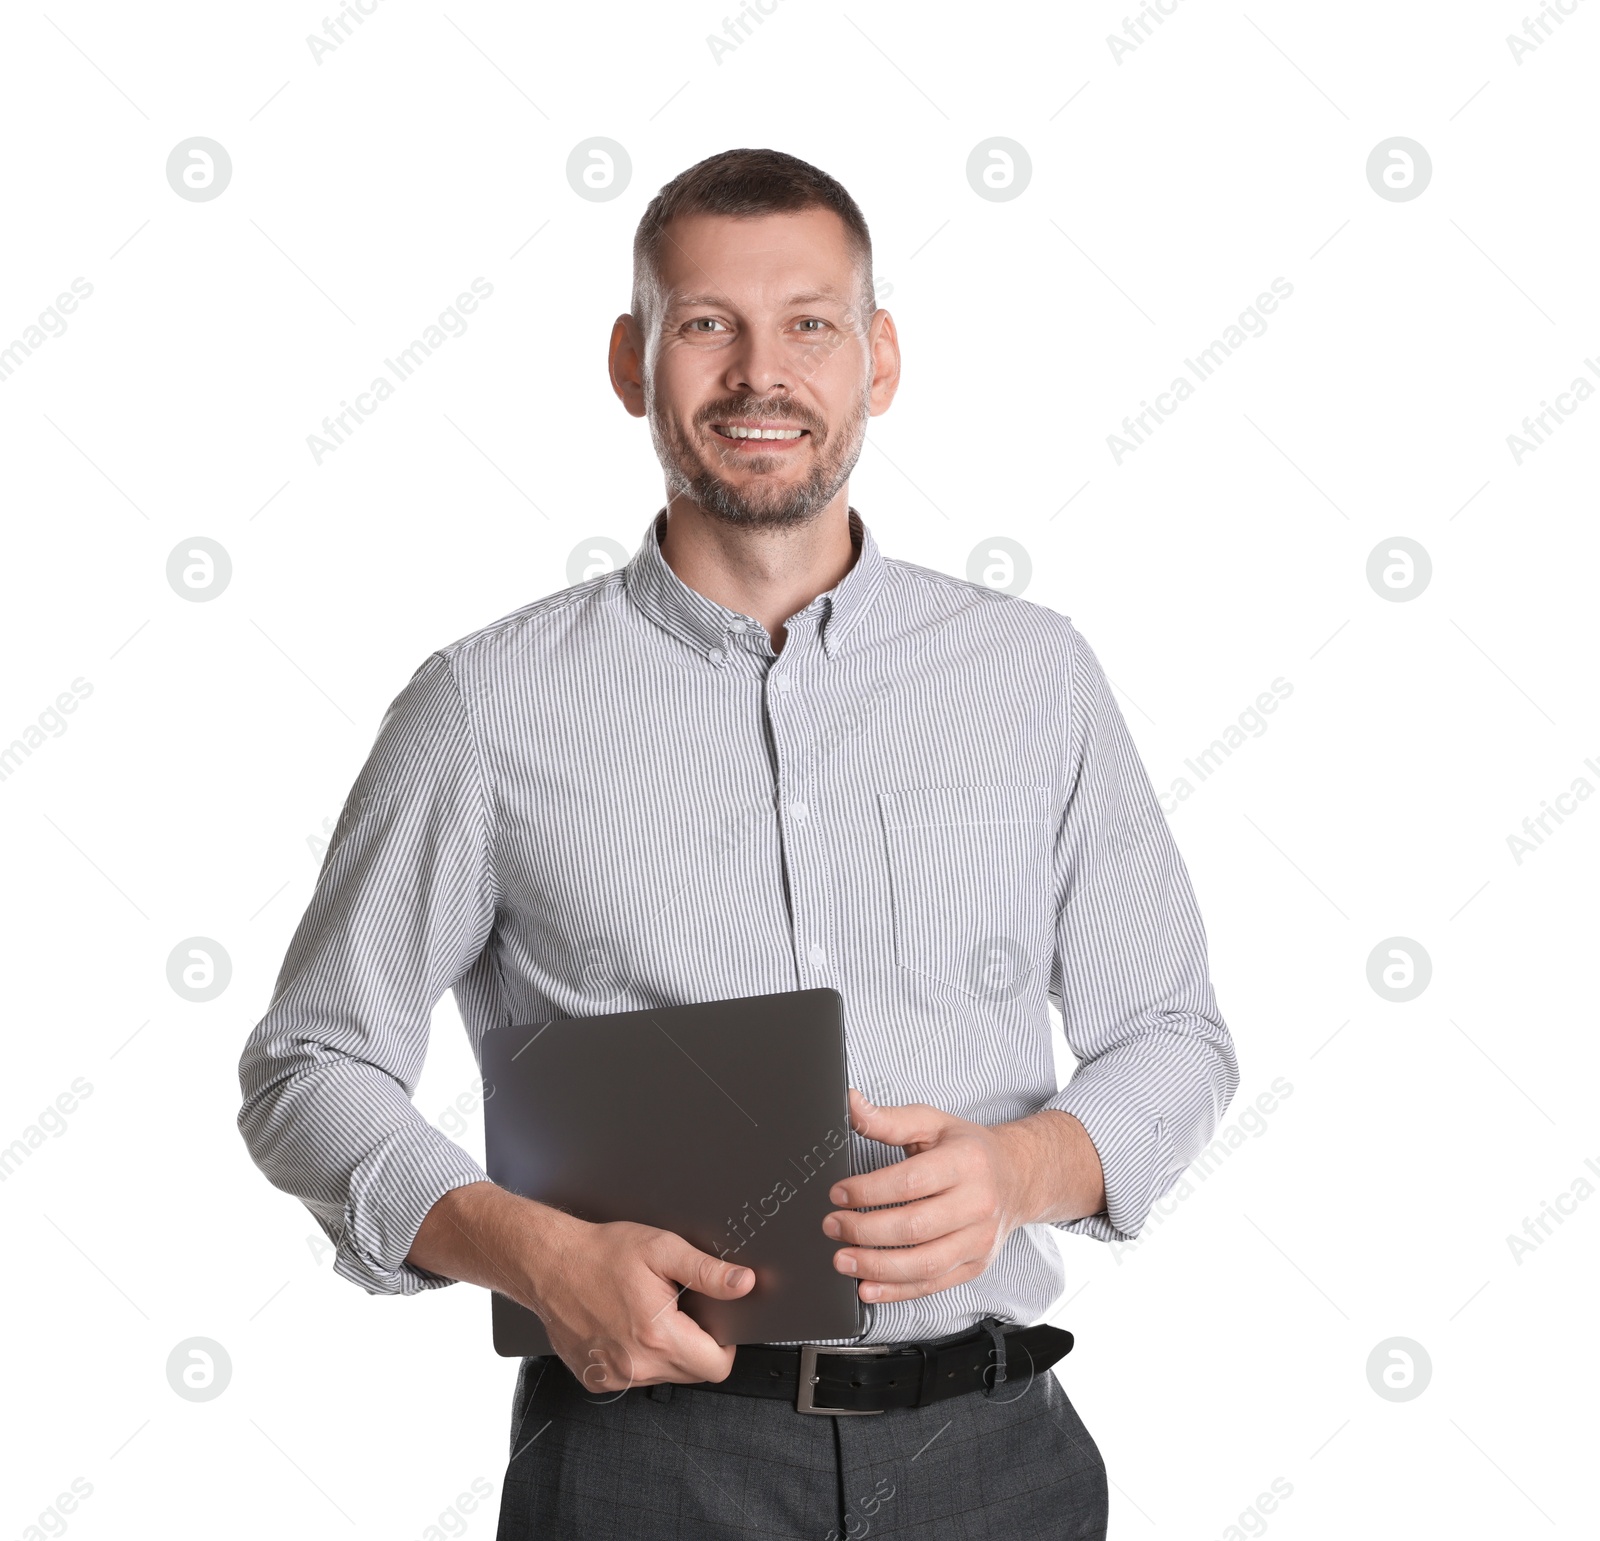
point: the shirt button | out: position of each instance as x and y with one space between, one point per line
819 959
784 683
798 810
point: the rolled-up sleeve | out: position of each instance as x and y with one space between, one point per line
1156 1063
404 905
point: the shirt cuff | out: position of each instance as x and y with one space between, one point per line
1135 1143
390 1194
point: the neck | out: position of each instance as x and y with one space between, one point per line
767 574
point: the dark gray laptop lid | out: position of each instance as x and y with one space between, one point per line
723 1121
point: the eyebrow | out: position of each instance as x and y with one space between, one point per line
804 297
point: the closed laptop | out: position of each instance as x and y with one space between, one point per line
725 1122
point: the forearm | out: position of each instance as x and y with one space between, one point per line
480 1234
1058 1175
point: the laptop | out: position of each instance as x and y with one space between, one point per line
725 1122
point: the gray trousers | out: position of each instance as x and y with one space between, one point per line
676 1463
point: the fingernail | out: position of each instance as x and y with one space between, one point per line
737 1277
837 1195
830 1227
847 1262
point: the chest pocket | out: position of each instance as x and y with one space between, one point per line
969 880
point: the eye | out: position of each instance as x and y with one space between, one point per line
814 321
705 320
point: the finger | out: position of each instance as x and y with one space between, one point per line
673 1347
862 1111
676 1259
691 1353
914 1265
905 1225
695 1355
714 1365
879 1293
916 1177
909 1123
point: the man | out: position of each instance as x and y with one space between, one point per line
761 757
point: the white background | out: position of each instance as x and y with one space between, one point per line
184 795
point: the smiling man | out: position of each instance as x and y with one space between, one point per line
765 756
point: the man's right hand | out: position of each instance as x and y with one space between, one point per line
607 1294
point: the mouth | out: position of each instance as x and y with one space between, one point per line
759 436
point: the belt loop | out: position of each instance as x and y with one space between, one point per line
661 1391
993 1326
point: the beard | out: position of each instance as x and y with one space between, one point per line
764 498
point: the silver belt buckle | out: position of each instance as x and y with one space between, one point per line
803 1402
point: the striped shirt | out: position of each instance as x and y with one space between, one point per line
620 796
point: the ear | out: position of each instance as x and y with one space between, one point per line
626 364
883 345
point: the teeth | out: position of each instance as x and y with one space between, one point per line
763 433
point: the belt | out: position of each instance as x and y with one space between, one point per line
848 1380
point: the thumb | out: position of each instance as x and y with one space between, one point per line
909 1123
688 1265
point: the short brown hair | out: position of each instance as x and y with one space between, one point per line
744 183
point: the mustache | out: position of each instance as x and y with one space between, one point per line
781 410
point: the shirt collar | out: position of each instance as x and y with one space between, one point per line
666 599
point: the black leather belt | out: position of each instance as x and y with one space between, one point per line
842 1381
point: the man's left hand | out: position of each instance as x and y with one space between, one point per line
958 1194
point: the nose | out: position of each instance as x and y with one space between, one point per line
756 367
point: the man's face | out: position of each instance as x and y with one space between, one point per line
758 370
